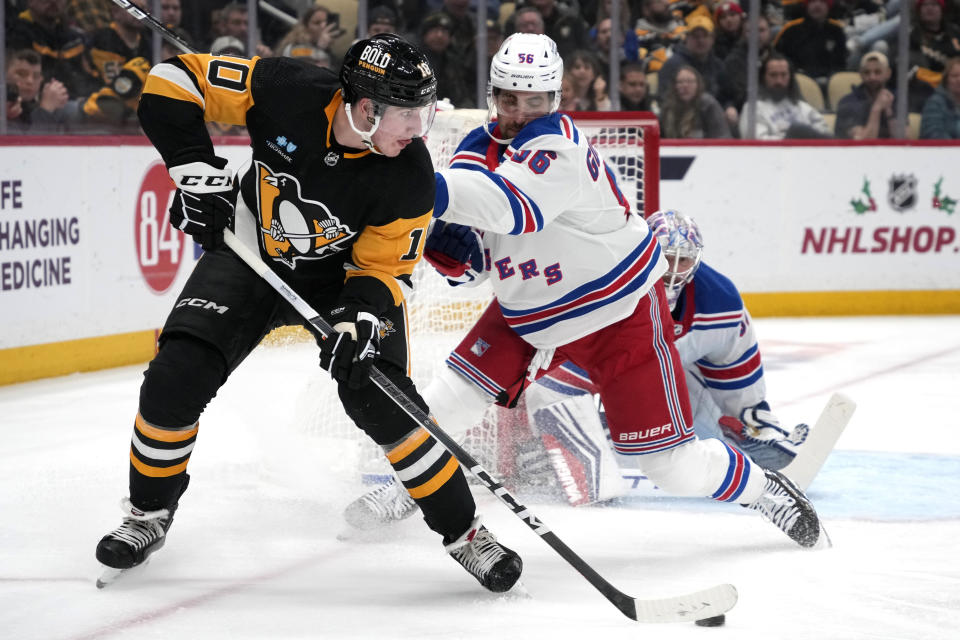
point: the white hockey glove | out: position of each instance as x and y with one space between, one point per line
350 352
205 198
456 251
758 432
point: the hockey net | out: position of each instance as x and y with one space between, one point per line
440 315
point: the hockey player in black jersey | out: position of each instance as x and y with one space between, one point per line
337 197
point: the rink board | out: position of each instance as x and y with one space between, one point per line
89 267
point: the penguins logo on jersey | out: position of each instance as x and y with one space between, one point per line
293 228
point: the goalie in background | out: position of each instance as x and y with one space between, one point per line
577 277
349 155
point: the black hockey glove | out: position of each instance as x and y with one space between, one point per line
349 353
205 198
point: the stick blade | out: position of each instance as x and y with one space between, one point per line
823 437
708 603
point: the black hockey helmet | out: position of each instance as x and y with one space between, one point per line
389 70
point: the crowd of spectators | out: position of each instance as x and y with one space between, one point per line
78 65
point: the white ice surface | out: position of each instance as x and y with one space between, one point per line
254 550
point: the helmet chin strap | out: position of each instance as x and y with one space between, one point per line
365 136
491 115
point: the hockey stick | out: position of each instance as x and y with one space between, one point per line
823 437
708 603
687 608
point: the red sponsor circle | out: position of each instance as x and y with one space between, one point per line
160 247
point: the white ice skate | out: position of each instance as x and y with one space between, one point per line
390 502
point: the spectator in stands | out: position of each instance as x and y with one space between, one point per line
45 107
43 27
85 15
941 113
729 20
525 20
781 113
568 98
171 13
113 108
868 111
734 78
447 66
314 30
657 33
235 22
688 112
858 17
382 19
600 36
933 41
112 47
228 46
463 28
494 40
814 44
634 94
697 52
589 86
563 25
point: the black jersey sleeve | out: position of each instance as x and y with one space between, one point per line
184 92
391 245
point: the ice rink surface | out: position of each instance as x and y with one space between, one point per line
254 551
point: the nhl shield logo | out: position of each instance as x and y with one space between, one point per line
903 192
331 159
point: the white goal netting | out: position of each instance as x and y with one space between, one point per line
440 315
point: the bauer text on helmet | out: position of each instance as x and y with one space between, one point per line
527 64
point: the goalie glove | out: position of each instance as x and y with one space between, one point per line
206 195
456 251
758 432
349 353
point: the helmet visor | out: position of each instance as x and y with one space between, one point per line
407 122
527 105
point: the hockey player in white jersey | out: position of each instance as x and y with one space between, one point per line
577 277
718 348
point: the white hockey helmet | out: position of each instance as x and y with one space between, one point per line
682 246
525 62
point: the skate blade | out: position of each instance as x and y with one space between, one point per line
824 541
111 575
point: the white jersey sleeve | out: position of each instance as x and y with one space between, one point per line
565 253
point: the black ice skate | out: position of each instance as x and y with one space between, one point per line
786 506
493 565
129 545
387 503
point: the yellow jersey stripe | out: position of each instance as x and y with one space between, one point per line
172 82
165 435
376 251
437 481
157 472
403 449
